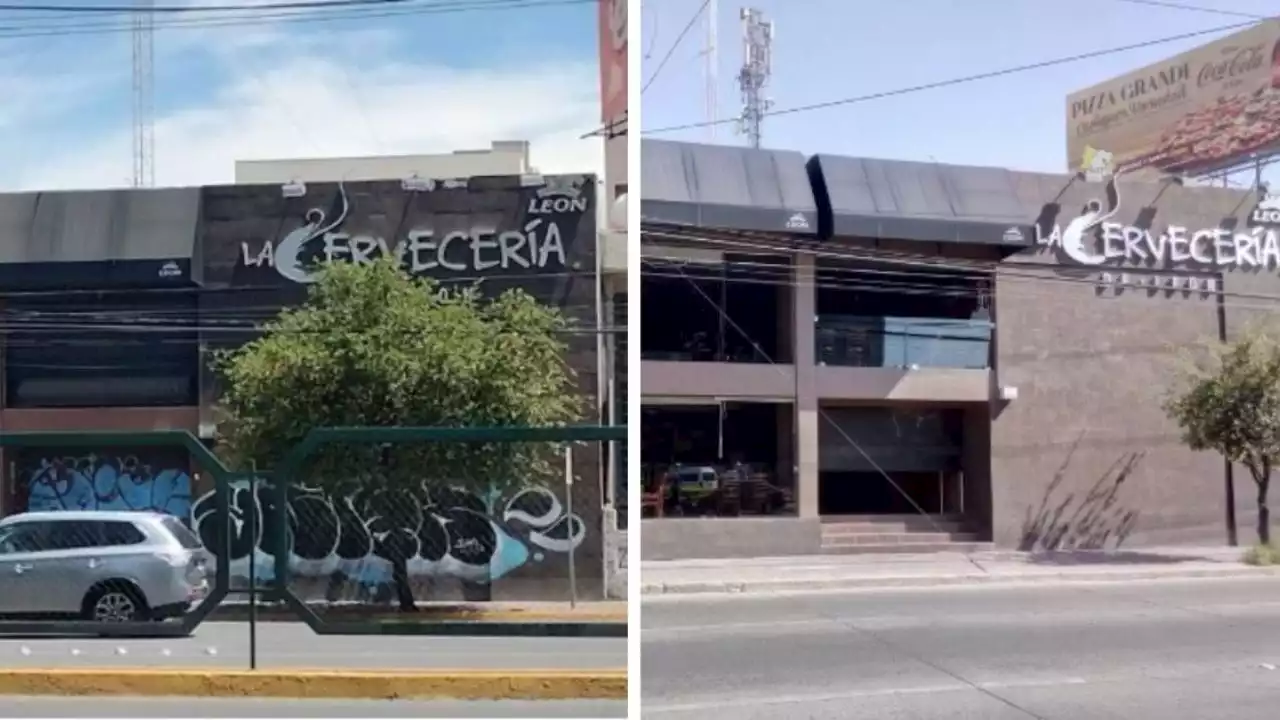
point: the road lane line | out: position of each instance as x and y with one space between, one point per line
649 632
651 708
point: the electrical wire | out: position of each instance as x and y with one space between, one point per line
1005 268
26 29
188 9
912 89
1192 8
679 39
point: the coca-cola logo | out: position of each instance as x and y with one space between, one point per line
1240 62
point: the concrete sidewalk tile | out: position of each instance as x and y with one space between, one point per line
995 573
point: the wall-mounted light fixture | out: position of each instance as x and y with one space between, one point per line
413 183
294 189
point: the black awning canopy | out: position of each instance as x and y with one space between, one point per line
928 202
101 237
726 187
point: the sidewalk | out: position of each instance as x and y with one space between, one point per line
236 609
851 572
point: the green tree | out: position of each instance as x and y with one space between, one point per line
1231 404
373 346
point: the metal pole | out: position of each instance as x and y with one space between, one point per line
1228 470
568 501
255 508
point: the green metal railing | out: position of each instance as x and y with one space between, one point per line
358 556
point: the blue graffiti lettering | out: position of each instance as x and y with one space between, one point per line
103 483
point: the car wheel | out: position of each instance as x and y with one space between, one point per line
115 603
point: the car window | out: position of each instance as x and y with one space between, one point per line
73 534
21 538
118 532
181 533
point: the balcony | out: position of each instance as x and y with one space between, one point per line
903 342
903 359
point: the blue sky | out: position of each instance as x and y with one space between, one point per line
831 49
405 82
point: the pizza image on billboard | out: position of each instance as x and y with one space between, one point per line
1212 107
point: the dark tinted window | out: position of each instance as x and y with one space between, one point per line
180 531
121 533
83 349
26 537
73 534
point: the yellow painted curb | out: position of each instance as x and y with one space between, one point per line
443 684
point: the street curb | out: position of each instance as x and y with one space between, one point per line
908 582
240 613
441 685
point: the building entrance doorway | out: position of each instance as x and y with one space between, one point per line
890 461
890 493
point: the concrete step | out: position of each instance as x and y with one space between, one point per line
900 517
886 538
894 526
923 547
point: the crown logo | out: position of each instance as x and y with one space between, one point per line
562 186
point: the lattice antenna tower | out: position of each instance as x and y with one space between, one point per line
711 71
757 68
144 121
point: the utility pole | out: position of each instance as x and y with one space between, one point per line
757 67
144 122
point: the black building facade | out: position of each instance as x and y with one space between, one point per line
113 301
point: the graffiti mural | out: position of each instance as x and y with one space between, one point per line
357 536
353 539
104 482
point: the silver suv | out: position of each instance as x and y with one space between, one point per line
100 565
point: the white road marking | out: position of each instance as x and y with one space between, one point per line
651 708
678 630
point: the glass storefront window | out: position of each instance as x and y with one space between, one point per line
727 460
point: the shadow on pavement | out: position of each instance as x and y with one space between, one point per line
1112 557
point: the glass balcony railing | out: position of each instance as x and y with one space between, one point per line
903 342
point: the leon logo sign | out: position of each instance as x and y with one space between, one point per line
1267 211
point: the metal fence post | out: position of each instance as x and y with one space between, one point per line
254 508
568 501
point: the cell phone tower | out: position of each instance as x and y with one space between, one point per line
144 121
757 67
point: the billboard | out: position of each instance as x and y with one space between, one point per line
1208 108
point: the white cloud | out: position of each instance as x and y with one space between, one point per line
313 105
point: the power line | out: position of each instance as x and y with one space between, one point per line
28 29
1004 270
188 9
965 79
1193 8
671 50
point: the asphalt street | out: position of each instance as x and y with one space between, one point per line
294 645
223 708
1184 650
